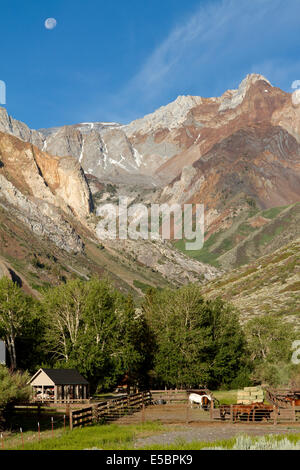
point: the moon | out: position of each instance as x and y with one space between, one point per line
50 23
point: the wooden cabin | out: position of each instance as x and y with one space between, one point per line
59 386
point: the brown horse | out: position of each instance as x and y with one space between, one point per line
238 411
224 410
292 400
262 412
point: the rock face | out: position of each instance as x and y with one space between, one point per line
230 153
162 258
43 191
155 149
19 129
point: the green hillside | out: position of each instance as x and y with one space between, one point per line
251 235
270 285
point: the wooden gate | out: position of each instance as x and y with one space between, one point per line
107 411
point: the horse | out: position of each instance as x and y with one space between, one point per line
202 400
224 410
292 401
262 412
239 410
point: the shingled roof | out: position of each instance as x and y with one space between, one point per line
63 376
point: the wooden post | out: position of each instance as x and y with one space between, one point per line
211 411
231 413
294 412
71 420
275 414
95 413
187 414
143 413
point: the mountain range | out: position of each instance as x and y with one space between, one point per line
238 154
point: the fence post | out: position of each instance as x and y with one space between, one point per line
275 414
143 413
187 414
294 411
71 419
95 413
211 411
231 413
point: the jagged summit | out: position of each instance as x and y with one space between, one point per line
233 98
170 116
156 147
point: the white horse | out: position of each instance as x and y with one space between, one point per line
195 398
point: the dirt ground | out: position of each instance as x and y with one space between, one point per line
211 432
186 424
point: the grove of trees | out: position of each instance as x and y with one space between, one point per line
174 338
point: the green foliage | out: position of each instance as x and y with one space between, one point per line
17 316
269 343
95 329
105 437
141 285
198 342
13 388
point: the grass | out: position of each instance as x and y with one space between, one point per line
118 437
273 212
257 443
106 437
141 285
226 397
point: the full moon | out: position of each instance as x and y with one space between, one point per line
50 23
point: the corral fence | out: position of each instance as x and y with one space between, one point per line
254 413
110 410
180 395
282 397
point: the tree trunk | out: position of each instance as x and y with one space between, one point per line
10 344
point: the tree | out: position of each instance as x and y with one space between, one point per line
269 344
13 390
15 314
13 387
269 339
94 328
198 342
64 306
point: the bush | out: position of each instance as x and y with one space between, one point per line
13 390
13 387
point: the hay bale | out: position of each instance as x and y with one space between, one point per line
253 389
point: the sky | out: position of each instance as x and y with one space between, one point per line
117 61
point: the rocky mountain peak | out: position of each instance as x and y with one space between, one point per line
233 98
170 116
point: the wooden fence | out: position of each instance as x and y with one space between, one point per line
283 398
252 414
107 411
179 395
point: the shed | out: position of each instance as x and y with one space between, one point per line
59 385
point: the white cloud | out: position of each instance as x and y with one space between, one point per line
212 50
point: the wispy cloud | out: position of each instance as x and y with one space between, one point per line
212 50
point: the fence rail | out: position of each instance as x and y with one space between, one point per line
180 395
253 413
109 410
283 398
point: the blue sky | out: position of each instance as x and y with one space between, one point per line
117 61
